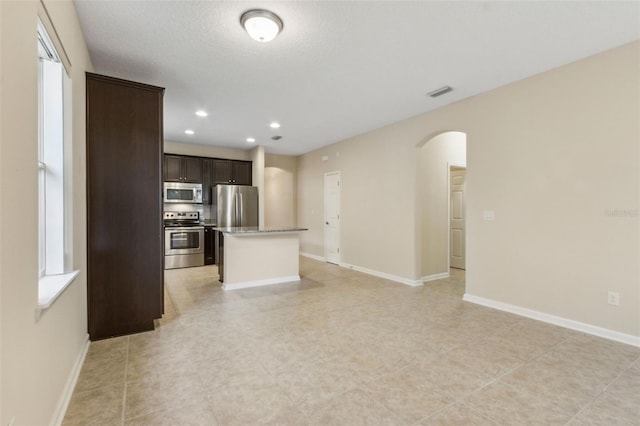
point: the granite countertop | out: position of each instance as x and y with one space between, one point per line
239 230
208 223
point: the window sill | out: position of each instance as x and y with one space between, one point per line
50 287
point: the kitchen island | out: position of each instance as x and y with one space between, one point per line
257 256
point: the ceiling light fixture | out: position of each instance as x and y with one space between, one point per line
201 113
441 91
189 132
262 25
274 125
251 140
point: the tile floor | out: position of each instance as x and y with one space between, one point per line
345 348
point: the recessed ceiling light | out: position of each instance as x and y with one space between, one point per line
274 125
201 113
189 132
251 140
262 25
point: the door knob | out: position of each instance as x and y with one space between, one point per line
326 223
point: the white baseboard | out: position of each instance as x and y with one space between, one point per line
259 283
384 275
434 277
63 403
555 320
313 256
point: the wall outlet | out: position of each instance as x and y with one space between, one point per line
613 298
488 215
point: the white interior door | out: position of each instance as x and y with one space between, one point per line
457 217
332 217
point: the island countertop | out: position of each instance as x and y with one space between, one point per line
246 230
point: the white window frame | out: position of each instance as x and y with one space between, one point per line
54 173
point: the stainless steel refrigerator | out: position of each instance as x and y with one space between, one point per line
235 205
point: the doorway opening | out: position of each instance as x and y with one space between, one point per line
441 174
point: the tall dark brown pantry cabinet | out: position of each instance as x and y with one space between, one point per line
124 206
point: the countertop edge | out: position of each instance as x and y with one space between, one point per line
265 231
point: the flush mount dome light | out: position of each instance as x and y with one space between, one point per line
262 25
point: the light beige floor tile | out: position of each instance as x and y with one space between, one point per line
101 406
526 340
254 403
457 415
171 390
101 372
230 370
342 347
312 386
566 385
149 365
108 349
627 385
407 394
193 414
608 410
451 377
484 361
506 404
354 408
596 350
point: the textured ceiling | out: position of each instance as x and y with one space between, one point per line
338 69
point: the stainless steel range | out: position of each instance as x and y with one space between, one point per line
183 240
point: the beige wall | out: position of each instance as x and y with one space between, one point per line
377 220
280 190
38 356
551 155
433 159
206 151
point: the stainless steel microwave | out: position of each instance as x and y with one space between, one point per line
182 193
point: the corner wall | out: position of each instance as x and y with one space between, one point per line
556 156
280 190
38 357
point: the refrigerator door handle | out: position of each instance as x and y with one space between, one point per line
236 205
241 208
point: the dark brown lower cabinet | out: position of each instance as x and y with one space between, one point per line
124 206
209 246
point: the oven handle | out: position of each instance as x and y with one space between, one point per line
183 228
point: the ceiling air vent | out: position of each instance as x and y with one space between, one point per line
276 138
441 91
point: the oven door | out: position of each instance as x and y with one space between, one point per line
184 240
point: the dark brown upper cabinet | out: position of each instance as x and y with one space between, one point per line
232 172
241 172
181 168
124 206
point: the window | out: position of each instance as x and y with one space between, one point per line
54 153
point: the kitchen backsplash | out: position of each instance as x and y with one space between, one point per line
204 210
